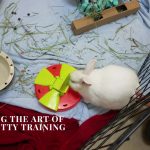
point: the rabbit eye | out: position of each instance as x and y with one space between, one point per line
83 82
73 81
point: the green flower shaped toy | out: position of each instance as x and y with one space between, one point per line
90 7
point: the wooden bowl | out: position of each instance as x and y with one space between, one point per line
6 70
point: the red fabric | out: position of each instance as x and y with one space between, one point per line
87 129
71 139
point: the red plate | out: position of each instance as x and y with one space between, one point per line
68 100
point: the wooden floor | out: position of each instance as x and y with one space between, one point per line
136 142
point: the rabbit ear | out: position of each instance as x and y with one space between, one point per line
90 66
86 81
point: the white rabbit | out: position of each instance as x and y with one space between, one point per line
110 87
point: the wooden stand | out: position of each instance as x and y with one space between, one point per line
108 15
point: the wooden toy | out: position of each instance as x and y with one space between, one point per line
6 70
108 15
52 88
